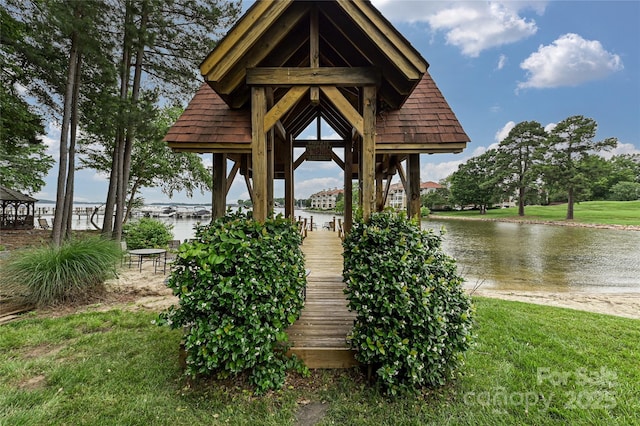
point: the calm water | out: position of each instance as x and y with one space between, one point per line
512 256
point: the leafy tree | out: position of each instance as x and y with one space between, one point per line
626 167
161 43
517 156
153 163
625 191
23 159
438 199
475 182
570 142
63 47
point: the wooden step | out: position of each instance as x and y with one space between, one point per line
325 357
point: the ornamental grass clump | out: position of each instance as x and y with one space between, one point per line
413 318
69 273
240 286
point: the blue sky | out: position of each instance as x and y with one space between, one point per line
497 64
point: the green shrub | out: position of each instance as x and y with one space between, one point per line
240 286
147 233
413 318
73 271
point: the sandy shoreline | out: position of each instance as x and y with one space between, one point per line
539 222
619 304
147 290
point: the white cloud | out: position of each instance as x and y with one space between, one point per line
435 171
52 140
502 61
569 61
100 176
472 26
305 188
620 149
504 132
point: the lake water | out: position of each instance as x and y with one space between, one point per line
514 256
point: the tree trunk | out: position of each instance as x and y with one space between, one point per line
72 151
521 193
115 179
132 198
570 204
58 223
130 129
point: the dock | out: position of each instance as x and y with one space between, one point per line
319 337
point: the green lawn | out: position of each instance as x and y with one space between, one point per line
531 365
597 212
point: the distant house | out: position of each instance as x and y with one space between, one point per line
325 200
16 209
397 197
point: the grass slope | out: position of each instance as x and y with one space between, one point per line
596 212
531 365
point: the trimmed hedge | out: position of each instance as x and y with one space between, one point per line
240 286
413 318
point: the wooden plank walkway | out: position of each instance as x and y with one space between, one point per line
319 335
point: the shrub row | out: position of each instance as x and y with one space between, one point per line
240 286
413 318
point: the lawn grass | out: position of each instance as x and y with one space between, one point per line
596 212
531 365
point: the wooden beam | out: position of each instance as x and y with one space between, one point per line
337 160
244 35
348 187
258 153
413 195
421 148
284 104
379 193
386 192
270 156
394 37
232 176
202 147
335 143
325 76
400 54
345 108
299 160
289 194
368 150
219 194
403 178
279 128
264 47
314 50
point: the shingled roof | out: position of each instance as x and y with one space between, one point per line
425 123
209 125
413 115
7 194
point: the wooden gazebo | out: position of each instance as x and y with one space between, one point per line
288 64
16 209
